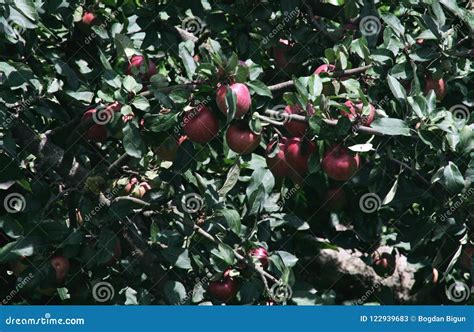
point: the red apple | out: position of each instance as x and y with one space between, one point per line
88 18
437 85
384 265
324 69
200 125
224 289
137 64
242 95
168 149
282 58
96 132
339 164
116 255
295 128
355 110
261 254
278 164
298 152
334 199
241 138
61 266
466 257
130 186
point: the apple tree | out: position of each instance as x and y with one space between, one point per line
236 152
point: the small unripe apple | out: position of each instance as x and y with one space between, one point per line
334 199
241 139
61 266
298 152
224 289
96 132
339 164
278 164
295 128
137 64
261 254
243 99
437 85
88 18
140 190
200 125
355 110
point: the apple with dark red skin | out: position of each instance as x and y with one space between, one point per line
282 60
334 199
384 264
298 152
438 85
169 148
61 265
261 254
224 289
295 128
137 64
278 164
117 253
339 164
466 257
241 139
243 99
96 132
200 125
355 110
88 18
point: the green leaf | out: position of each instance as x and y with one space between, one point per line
391 126
132 141
175 292
141 103
231 102
178 257
232 219
260 88
397 89
394 23
453 179
231 180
